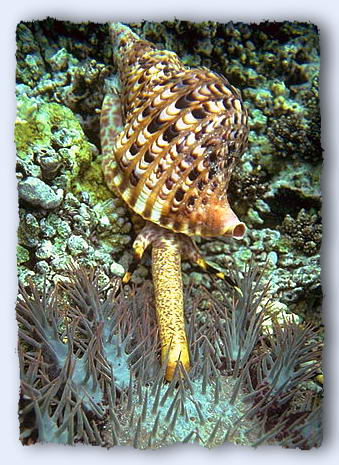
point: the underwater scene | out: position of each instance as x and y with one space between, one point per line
169 233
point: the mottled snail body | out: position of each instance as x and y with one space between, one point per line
183 131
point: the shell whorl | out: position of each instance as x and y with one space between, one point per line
184 130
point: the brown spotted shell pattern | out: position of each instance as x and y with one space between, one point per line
184 130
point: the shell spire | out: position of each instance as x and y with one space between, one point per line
184 130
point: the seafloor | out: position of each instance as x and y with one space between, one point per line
68 217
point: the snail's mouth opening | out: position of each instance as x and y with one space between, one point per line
236 230
239 231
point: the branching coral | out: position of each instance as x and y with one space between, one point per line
305 231
246 189
296 135
293 136
90 370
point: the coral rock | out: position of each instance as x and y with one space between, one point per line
37 193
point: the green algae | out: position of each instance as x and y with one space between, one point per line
26 134
40 128
22 254
92 181
54 125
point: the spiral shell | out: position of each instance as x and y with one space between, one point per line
184 130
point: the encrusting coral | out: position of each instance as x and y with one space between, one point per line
90 371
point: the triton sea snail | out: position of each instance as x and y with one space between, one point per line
183 131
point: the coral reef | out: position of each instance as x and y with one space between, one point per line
275 64
82 230
90 370
292 132
68 215
66 210
304 231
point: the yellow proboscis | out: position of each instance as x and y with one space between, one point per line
126 278
168 289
